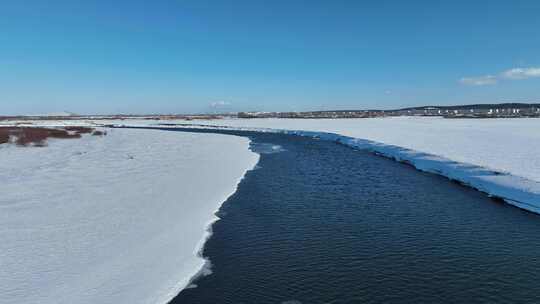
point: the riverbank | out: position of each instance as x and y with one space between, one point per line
497 157
113 219
318 222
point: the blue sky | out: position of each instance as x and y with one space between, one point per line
197 56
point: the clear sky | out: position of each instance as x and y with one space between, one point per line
195 56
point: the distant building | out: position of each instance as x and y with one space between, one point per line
509 110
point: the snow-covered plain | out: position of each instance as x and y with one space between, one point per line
498 156
507 145
113 219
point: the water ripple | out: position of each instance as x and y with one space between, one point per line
322 223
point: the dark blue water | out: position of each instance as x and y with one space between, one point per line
322 223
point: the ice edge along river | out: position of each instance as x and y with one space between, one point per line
206 266
514 190
114 219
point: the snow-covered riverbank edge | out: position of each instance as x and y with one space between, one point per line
518 191
121 218
514 190
488 168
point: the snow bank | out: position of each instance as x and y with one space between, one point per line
506 145
496 156
114 219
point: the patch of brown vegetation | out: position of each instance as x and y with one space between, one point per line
4 136
99 133
37 136
79 130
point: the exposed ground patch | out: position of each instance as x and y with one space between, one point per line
37 136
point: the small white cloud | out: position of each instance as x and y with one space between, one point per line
521 73
219 104
479 81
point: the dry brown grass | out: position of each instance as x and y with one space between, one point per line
4 135
99 133
24 136
38 136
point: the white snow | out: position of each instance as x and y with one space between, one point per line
113 219
120 218
497 156
508 145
